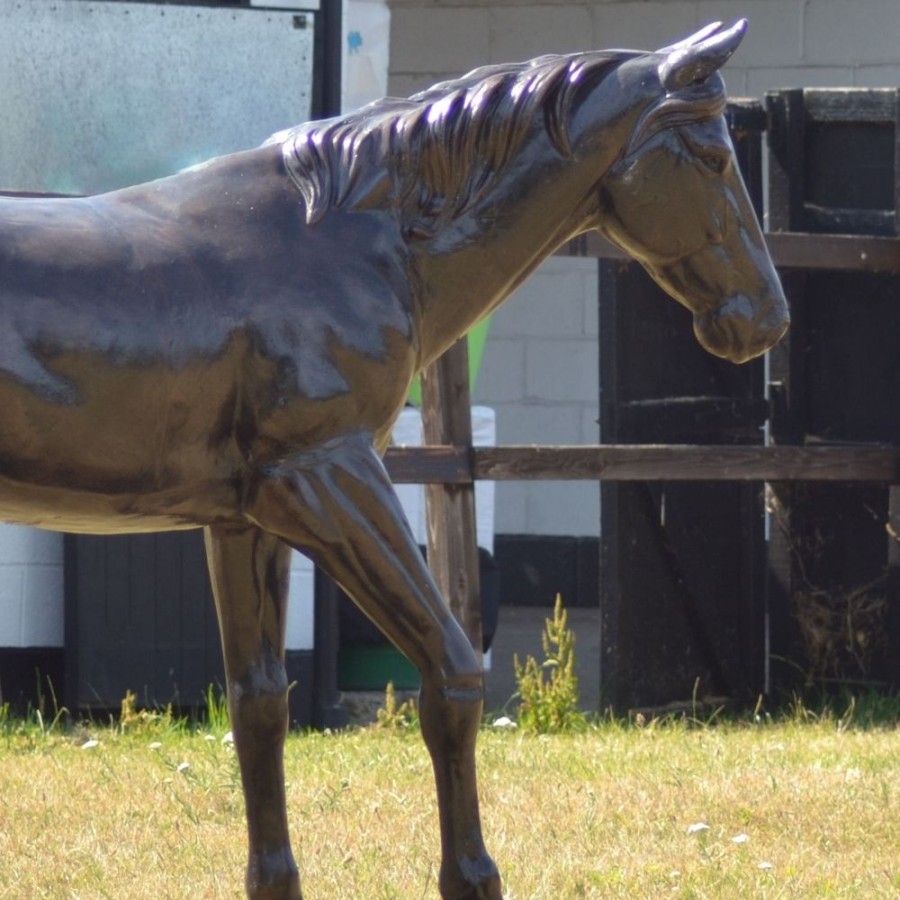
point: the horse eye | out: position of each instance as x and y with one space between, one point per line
715 162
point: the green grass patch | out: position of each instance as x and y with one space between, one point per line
799 805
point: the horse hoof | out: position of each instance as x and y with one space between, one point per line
275 892
477 879
274 876
287 891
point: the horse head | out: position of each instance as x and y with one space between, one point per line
676 202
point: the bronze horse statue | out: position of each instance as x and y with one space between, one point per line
228 348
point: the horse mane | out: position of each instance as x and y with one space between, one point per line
434 154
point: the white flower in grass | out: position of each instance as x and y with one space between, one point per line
182 767
90 744
740 838
211 738
228 738
766 866
504 722
156 745
697 827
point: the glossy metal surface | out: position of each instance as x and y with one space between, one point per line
228 349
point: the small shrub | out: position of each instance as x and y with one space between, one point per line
549 691
133 720
396 715
217 718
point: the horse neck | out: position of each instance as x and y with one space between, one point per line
471 265
541 201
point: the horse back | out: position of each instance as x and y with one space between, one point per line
154 339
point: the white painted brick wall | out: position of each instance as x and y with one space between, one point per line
31 587
539 373
301 604
540 366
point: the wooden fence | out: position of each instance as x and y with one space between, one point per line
449 464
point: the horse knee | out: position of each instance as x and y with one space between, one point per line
456 672
257 698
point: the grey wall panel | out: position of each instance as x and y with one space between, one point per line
99 95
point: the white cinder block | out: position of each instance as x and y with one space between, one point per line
775 35
842 33
877 77
642 25
561 371
512 507
31 587
405 84
42 619
301 604
590 305
564 508
539 423
590 425
549 304
761 80
522 32
11 605
501 378
439 40
19 544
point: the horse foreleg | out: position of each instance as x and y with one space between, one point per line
338 504
249 571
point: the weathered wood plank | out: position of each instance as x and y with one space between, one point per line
452 542
892 617
429 465
658 463
789 250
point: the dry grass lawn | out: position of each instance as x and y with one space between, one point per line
791 809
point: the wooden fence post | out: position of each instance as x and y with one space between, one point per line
452 542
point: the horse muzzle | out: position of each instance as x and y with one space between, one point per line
741 328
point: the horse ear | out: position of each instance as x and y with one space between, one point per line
695 38
694 59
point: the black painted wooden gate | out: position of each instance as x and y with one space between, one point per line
681 564
140 617
835 158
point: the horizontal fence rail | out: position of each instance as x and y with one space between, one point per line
789 250
644 462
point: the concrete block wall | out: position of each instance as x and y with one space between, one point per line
539 373
791 43
540 366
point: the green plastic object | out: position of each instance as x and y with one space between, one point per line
369 667
476 338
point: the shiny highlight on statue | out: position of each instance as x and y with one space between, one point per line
228 349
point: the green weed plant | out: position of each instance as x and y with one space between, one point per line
548 691
394 715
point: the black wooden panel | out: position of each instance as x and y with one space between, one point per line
836 379
678 609
834 160
142 619
167 601
535 568
681 562
850 348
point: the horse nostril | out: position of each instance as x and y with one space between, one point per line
734 333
